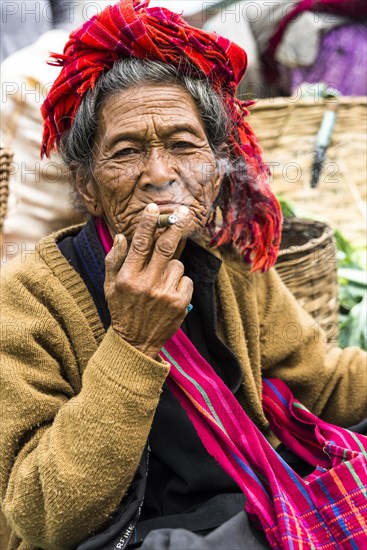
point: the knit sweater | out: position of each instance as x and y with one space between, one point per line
78 402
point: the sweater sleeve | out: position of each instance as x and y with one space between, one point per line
330 381
69 447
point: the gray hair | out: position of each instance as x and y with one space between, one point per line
76 145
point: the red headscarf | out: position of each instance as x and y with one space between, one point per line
251 216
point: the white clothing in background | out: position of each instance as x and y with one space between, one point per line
39 200
231 21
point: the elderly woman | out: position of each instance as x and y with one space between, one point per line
144 114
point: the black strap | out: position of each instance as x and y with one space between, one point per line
119 531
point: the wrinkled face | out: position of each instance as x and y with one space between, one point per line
151 146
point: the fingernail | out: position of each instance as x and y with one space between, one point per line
152 208
183 210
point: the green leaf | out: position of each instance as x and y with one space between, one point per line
287 208
353 329
355 276
344 246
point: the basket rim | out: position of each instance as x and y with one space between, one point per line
280 102
327 233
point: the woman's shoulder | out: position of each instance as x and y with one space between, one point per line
42 293
238 268
43 265
265 285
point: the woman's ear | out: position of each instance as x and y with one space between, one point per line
87 191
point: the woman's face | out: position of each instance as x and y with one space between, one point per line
151 147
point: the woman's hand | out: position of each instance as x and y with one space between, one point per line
146 291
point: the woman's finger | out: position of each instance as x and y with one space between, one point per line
143 239
173 275
115 258
185 289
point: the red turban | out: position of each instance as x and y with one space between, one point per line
251 216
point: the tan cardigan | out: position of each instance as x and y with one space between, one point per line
78 403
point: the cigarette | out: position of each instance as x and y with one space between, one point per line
164 220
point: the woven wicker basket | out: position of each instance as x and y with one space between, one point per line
307 264
287 128
6 157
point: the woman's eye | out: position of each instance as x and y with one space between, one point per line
126 151
183 145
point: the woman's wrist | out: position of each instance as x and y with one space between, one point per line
147 350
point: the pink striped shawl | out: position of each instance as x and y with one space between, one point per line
327 509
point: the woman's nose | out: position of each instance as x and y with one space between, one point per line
158 170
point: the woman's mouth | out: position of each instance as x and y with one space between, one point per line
167 207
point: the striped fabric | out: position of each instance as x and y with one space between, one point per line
326 510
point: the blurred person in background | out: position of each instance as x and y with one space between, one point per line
321 41
39 200
22 22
